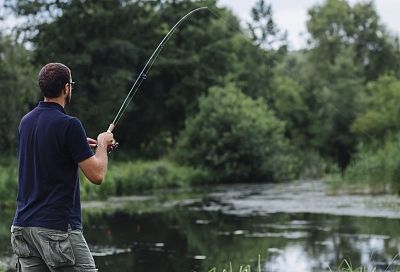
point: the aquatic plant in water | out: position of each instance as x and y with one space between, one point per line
346 266
242 268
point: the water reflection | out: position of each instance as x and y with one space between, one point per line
291 258
175 241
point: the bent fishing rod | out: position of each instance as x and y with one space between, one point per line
143 74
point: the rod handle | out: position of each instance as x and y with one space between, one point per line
114 144
111 128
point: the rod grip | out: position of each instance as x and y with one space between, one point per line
111 128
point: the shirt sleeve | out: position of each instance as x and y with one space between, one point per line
77 144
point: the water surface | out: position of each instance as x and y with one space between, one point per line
292 227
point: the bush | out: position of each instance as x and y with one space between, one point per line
236 139
8 183
377 164
123 178
314 166
126 178
374 166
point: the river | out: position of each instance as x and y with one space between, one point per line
295 227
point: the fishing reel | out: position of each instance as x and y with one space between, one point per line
112 146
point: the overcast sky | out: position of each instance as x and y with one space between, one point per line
291 15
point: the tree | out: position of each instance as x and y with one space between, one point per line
336 26
258 59
18 89
350 47
106 43
264 32
379 119
378 160
332 96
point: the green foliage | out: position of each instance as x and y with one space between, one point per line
123 178
320 101
335 26
319 110
382 109
374 166
106 44
127 178
350 47
264 32
257 60
17 77
378 160
8 181
236 138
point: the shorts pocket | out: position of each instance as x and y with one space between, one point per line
57 249
18 242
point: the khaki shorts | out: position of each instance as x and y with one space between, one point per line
41 249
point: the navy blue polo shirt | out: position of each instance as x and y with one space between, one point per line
50 146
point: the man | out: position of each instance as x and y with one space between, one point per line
47 229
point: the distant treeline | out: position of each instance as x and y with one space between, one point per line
227 99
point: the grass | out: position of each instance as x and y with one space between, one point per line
374 169
242 268
128 178
346 266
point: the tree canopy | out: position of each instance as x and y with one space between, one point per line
322 96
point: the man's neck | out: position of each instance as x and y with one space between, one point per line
59 100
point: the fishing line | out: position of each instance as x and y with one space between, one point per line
144 73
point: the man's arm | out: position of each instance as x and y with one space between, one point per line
95 167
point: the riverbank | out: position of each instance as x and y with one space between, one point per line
126 178
132 177
123 179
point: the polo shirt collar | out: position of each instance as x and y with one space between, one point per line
53 105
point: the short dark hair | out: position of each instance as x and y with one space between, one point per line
52 79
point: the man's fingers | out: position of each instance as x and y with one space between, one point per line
91 142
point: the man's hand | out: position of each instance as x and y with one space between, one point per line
105 139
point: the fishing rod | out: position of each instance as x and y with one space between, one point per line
143 74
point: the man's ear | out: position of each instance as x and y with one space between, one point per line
66 88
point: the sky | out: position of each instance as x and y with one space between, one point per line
291 15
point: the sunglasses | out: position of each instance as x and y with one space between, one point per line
72 84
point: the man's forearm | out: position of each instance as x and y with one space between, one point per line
102 161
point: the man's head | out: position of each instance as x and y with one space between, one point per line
55 80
